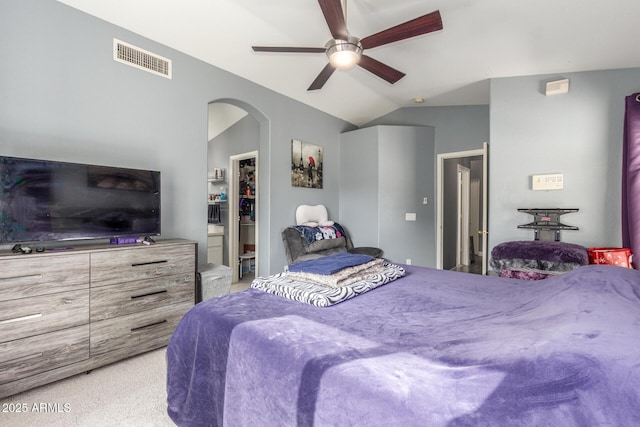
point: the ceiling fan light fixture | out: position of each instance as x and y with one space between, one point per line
344 54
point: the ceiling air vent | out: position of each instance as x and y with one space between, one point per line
140 58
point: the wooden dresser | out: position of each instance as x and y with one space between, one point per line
70 311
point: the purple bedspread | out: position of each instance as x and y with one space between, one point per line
434 348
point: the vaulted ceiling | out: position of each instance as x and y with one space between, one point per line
481 39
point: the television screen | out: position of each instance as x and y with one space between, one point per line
43 200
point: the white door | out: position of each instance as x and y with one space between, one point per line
474 216
462 247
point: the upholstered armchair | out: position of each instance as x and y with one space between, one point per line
315 236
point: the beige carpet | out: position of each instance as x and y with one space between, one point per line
128 393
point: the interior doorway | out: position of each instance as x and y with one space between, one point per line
236 134
448 242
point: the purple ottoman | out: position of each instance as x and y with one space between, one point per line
536 259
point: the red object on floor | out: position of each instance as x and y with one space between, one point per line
611 256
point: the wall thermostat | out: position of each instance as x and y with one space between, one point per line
553 181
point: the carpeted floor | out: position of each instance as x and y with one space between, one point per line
128 393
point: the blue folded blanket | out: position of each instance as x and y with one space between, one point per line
329 264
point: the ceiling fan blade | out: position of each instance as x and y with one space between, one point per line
333 14
288 49
416 27
322 77
381 70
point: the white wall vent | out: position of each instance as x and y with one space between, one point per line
140 58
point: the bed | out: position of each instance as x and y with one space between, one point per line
432 348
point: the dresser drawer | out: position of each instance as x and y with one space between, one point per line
139 263
132 297
30 356
37 274
136 333
46 313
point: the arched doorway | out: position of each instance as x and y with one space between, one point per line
236 128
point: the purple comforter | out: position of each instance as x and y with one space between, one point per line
435 348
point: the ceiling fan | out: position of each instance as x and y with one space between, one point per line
345 51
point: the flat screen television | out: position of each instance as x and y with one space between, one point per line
43 200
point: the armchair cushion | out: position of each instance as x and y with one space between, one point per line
298 248
326 244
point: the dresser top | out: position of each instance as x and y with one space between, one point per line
62 248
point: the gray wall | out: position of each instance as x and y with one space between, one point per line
242 137
407 175
459 128
359 186
578 134
65 98
386 172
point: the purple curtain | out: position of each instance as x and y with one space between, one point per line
631 177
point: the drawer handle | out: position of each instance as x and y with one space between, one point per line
141 264
149 294
28 276
149 325
20 319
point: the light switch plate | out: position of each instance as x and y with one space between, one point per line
410 216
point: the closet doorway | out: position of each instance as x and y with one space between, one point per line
236 132
244 188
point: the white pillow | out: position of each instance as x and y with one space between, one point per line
312 216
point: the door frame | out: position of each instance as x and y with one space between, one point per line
234 211
484 152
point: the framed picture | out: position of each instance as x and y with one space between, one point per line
306 164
